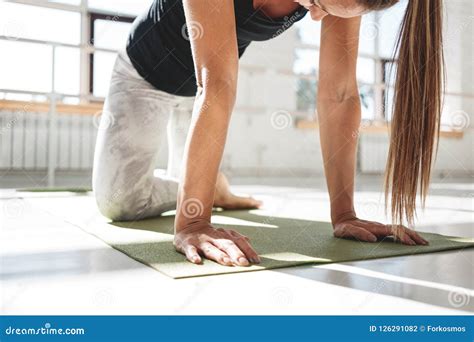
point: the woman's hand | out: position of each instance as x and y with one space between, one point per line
225 246
351 227
224 198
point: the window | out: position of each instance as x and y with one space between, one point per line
306 62
377 39
130 8
389 74
21 72
369 31
54 30
101 72
389 27
39 23
110 33
366 70
67 70
309 31
306 95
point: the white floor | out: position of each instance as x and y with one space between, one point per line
50 266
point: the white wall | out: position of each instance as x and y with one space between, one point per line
263 139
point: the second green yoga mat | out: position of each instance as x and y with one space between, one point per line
281 242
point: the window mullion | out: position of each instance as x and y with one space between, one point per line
85 63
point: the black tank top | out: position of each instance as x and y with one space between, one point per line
161 53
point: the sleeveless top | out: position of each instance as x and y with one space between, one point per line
159 48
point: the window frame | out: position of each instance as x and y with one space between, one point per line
92 17
386 85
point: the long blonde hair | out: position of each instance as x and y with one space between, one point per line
417 105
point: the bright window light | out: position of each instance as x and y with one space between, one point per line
309 31
306 61
129 7
67 70
367 102
366 70
19 71
33 22
103 65
369 33
389 26
110 34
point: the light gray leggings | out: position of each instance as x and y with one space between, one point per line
134 123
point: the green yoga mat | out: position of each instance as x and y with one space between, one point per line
281 242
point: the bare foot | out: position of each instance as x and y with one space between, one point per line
225 199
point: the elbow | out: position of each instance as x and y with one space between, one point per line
342 99
219 94
218 85
225 86
338 92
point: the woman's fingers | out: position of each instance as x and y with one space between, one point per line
408 236
417 238
404 238
401 233
213 253
382 231
231 249
192 254
349 231
243 243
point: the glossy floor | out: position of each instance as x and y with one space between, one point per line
50 266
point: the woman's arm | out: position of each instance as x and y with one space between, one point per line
339 114
212 32
338 107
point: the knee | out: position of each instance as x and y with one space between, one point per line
115 206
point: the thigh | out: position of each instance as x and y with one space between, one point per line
131 133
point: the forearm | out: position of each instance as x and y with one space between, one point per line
339 120
203 154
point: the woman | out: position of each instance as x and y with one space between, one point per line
182 57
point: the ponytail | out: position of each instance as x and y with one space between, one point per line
417 108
